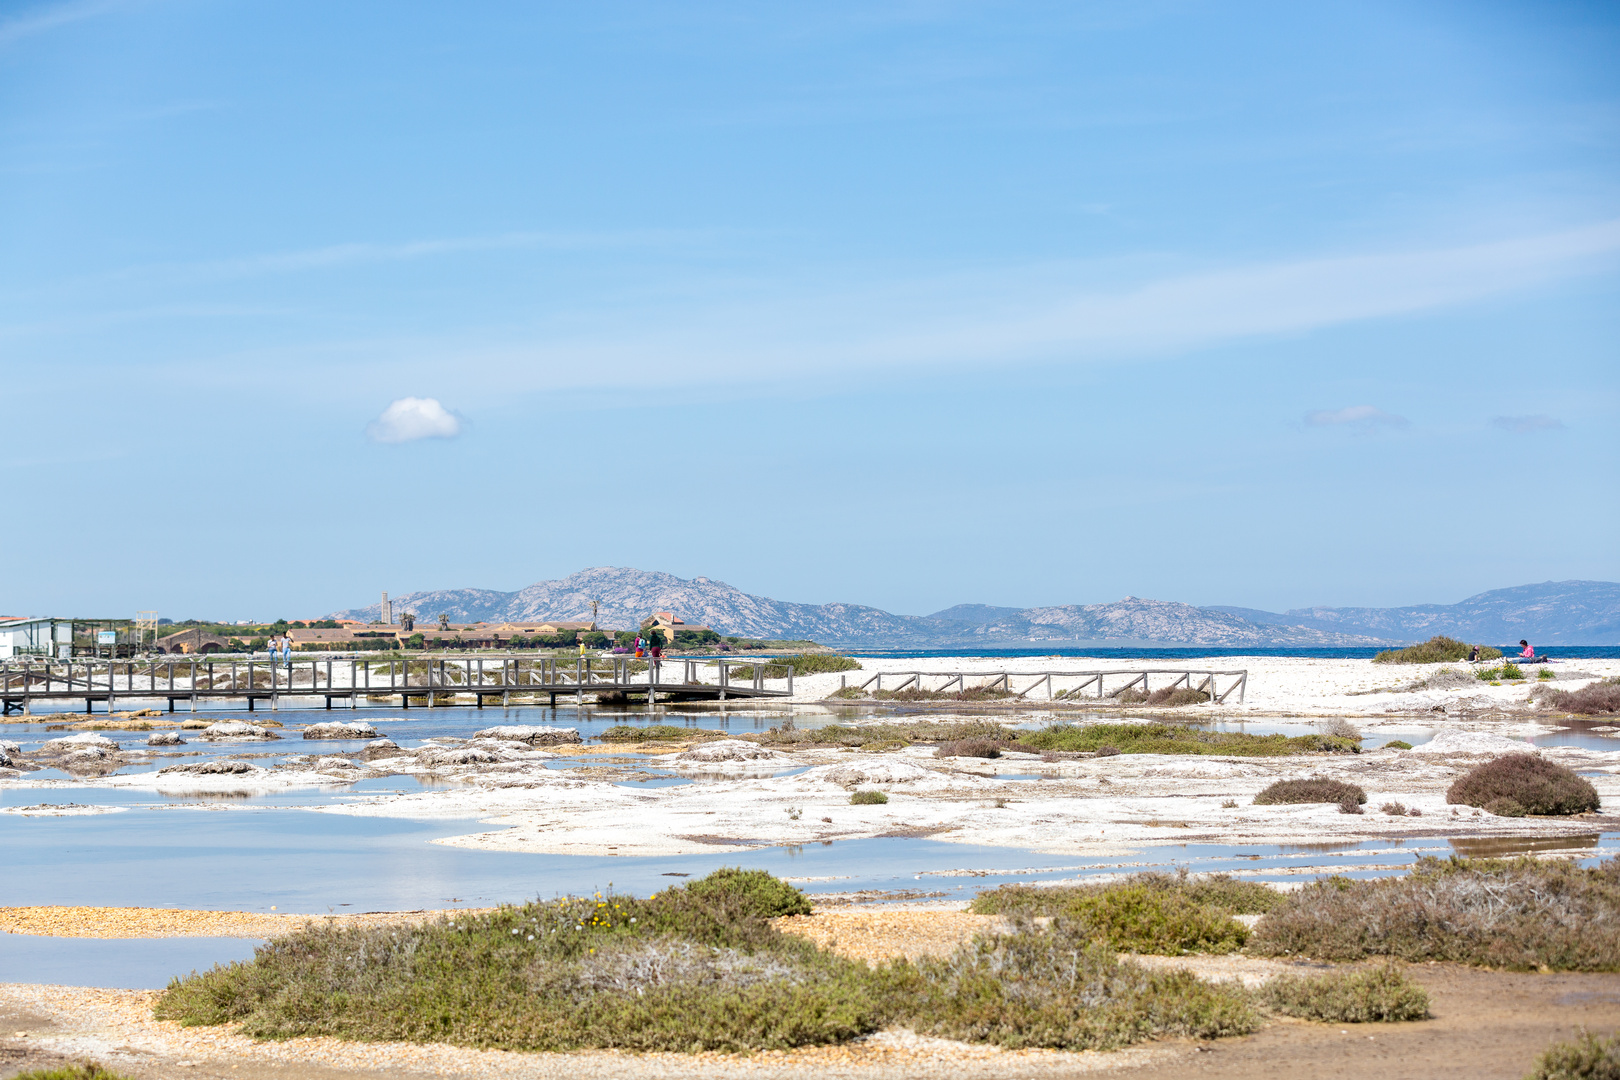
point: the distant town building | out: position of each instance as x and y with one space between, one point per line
671 624
23 636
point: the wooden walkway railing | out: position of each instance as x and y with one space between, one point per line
1083 682
432 677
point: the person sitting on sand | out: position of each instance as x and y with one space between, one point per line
1473 654
1528 655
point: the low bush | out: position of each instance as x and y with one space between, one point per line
1378 995
1349 805
1594 699
1221 891
1437 650
802 664
1523 914
696 967
1518 784
913 693
1180 739
656 733
748 893
1397 744
89 1070
1107 751
1316 789
1169 697
1393 809
869 798
1134 918
1585 1057
921 731
1058 987
1512 671
978 748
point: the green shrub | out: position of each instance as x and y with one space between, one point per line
1057 987
1522 914
1132 916
1397 744
656 733
802 664
1316 789
1545 675
1437 650
1528 782
88 1070
749 893
1586 1057
868 798
1221 891
1180 739
1512 671
1377 995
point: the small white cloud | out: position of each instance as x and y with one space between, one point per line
1523 425
1361 416
414 418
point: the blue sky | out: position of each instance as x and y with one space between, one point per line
906 304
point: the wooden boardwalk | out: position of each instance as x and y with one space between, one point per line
1082 684
428 681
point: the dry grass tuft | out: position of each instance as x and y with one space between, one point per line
975 748
1586 1057
1596 699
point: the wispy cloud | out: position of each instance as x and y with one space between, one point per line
44 18
411 418
1524 425
1365 417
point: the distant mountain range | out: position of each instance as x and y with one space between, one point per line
1553 613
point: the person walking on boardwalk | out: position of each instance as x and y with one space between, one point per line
657 659
286 650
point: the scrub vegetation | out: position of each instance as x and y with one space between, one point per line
1518 784
802 664
976 748
1586 1057
1315 789
1594 699
1523 914
883 736
868 798
1147 913
701 967
1437 650
87 1071
1358 996
657 733
1181 739
1170 698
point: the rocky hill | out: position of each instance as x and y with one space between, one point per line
626 596
1551 613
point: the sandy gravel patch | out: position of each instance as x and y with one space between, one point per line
139 922
875 935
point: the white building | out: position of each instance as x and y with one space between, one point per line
39 637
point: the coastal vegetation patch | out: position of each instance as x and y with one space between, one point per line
801 663
1437 650
1585 1057
1357 996
1169 697
869 798
1056 986
657 733
884 736
88 1070
1514 785
1594 699
975 748
699 967
1314 789
1523 914
1167 914
1181 739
